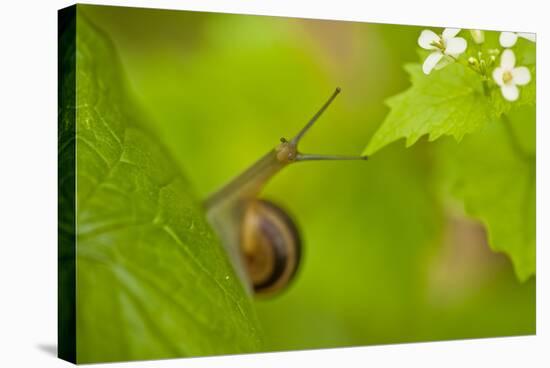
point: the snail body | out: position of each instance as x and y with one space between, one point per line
261 238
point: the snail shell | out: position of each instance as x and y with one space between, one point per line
271 246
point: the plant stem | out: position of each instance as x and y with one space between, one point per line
485 85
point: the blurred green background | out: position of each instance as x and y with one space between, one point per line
387 257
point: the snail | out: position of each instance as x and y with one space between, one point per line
261 238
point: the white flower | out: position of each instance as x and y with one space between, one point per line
445 47
508 39
508 77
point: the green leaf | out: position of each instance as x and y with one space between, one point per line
449 101
493 173
152 279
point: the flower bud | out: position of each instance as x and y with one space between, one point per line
478 36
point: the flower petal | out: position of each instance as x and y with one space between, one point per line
443 63
528 36
521 75
497 76
456 45
431 61
426 38
450 33
510 92
507 59
508 39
